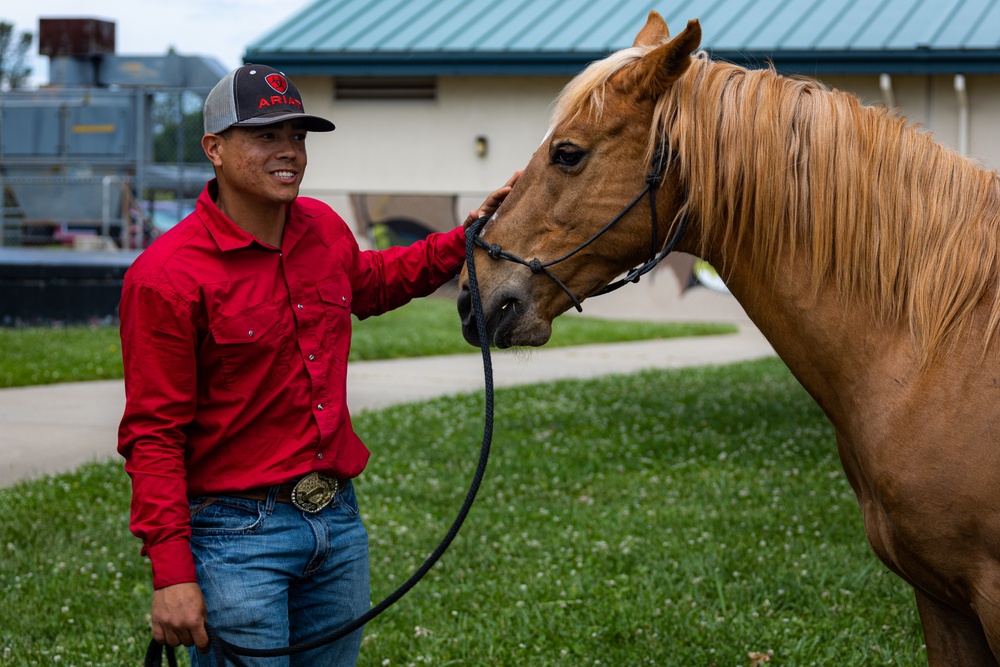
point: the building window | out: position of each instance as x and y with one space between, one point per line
385 88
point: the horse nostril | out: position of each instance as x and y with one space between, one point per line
464 301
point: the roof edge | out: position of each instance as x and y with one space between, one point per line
456 63
875 61
425 63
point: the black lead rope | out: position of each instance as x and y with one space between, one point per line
224 651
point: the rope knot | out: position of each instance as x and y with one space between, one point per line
535 266
659 167
494 250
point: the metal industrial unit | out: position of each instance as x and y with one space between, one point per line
76 156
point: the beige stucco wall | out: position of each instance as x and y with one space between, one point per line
426 146
429 146
933 102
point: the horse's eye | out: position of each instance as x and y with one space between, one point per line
567 156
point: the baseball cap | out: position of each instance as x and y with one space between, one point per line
257 95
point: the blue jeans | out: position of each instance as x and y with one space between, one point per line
275 576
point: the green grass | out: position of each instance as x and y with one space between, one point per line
45 355
665 518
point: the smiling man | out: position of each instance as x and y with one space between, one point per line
236 328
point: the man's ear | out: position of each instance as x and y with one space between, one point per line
212 145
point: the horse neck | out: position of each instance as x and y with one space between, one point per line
837 353
788 196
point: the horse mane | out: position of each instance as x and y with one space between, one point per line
894 221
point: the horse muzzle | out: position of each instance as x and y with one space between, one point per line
497 321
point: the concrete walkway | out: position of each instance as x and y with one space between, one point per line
54 428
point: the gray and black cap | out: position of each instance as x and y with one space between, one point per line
257 95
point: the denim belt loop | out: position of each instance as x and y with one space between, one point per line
272 494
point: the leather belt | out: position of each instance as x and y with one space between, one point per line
310 494
284 494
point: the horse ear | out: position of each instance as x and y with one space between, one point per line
652 75
655 31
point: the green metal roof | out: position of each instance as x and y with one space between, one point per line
441 37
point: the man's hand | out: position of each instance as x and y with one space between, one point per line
179 615
493 202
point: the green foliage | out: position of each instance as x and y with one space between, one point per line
178 125
683 517
45 355
180 140
13 53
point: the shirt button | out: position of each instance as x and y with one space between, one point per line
312 357
299 306
319 407
320 455
250 333
343 298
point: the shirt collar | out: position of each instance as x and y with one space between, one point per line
226 233
230 236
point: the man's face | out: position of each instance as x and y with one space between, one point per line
263 163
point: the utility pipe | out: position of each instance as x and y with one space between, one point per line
963 114
885 84
106 206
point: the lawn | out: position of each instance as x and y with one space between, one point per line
686 517
44 355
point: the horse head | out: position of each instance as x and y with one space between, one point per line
602 142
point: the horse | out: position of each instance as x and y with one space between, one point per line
863 250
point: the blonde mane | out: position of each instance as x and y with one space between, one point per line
895 222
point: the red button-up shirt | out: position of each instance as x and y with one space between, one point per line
236 359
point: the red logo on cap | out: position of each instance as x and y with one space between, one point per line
278 82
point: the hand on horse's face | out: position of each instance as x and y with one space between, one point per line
493 202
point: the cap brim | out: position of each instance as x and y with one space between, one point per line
311 123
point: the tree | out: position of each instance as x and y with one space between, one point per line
180 141
13 53
177 127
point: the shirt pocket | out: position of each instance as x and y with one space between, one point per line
335 295
255 347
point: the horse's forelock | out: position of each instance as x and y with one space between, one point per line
586 90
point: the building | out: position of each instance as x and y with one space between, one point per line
446 98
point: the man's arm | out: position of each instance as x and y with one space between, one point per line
387 279
158 352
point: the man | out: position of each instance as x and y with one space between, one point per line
236 327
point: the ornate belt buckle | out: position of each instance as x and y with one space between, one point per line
314 492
